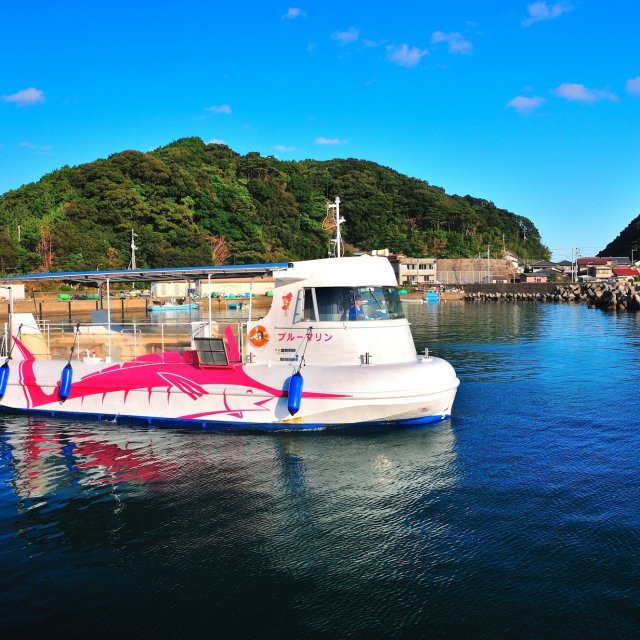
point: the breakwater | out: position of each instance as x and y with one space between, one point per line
618 296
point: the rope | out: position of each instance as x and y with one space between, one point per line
13 344
306 344
75 339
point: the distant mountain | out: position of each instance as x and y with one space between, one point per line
627 240
192 203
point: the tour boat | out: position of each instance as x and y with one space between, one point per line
313 360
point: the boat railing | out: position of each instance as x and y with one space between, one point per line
122 342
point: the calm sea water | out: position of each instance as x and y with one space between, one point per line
518 518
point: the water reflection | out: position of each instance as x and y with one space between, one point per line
46 457
335 511
510 343
49 457
528 496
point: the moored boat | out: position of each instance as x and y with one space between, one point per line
163 307
432 296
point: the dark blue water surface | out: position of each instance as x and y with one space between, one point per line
518 518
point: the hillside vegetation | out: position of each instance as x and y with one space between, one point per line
627 241
194 204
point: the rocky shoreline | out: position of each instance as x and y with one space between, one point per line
619 297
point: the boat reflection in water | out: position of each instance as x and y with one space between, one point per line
49 458
219 519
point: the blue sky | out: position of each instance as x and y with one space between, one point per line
532 105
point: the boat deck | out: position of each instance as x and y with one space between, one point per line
124 342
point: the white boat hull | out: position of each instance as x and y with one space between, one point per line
157 392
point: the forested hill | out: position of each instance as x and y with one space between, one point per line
627 240
192 203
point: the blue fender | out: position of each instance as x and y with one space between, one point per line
66 378
295 393
4 379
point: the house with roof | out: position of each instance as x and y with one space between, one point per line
514 260
545 265
566 266
542 275
544 271
599 268
625 274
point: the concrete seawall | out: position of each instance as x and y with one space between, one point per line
529 288
620 297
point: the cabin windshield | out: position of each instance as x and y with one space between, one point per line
343 304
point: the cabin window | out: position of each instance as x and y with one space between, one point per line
380 303
306 309
333 304
211 352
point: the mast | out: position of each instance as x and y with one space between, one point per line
334 219
132 264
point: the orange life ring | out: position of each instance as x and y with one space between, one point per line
259 336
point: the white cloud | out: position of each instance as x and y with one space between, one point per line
456 41
293 13
346 37
539 11
579 93
216 141
36 147
283 149
524 104
329 141
25 98
224 109
406 56
633 86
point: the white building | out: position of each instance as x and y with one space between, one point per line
414 271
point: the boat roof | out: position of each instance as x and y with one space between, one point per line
153 275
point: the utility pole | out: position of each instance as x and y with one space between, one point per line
575 254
